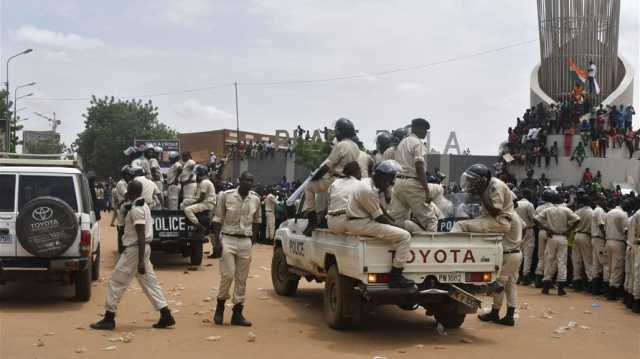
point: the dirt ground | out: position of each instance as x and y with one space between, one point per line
32 313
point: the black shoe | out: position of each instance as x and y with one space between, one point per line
492 316
561 288
107 323
218 316
596 286
578 285
166 319
526 281
627 299
588 287
396 280
604 288
311 224
612 293
539 281
508 319
237 318
546 285
636 306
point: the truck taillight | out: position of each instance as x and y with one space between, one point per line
479 277
374 278
85 243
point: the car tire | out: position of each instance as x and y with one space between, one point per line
83 283
448 315
284 282
95 269
196 253
46 227
343 307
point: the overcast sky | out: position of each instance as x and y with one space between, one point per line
134 47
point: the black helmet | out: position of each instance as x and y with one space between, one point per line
136 171
383 141
548 195
475 178
344 129
399 134
201 171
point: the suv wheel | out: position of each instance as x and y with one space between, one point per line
343 306
95 269
83 283
284 283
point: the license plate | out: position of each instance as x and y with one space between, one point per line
450 277
169 234
465 298
445 224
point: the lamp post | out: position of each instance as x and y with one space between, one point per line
15 98
7 126
15 119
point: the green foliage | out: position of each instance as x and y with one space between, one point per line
311 154
111 126
4 114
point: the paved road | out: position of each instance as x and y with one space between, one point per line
292 327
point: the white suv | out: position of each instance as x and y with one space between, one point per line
48 227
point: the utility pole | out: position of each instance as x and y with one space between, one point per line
235 85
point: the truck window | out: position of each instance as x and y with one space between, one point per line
61 187
8 186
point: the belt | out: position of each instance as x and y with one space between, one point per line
236 235
513 251
355 218
587 233
600 237
136 245
406 177
187 182
337 213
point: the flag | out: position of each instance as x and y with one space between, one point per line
581 75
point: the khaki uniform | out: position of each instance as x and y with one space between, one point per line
127 266
389 154
558 220
630 280
582 253
363 207
344 152
365 161
542 240
511 261
339 192
154 164
237 216
188 183
409 197
143 163
173 187
119 198
270 203
150 191
616 222
526 211
600 263
206 188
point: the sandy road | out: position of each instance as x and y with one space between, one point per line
292 327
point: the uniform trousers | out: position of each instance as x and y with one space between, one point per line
615 259
160 186
555 257
409 199
337 224
190 211
398 237
528 246
636 271
582 257
271 224
600 261
126 269
320 185
234 267
173 197
188 194
542 243
507 279
628 269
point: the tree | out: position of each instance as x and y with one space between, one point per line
311 154
111 126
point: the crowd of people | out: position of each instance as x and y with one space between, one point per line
598 129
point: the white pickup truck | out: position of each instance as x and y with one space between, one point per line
448 269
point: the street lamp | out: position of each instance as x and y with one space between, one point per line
7 127
15 98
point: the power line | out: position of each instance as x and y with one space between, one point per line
309 81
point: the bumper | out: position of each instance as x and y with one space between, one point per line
21 264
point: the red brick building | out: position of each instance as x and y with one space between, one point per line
200 144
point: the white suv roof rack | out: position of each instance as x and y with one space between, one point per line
46 160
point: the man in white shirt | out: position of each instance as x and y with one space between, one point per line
173 185
526 211
598 245
616 223
339 193
206 200
270 202
582 252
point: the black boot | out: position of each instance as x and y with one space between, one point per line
166 319
561 288
578 285
612 293
627 299
218 316
107 323
492 316
237 318
311 224
604 288
526 280
508 319
588 287
539 281
596 286
396 280
636 306
546 285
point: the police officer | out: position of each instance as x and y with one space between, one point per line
582 252
558 221
366 217
526 211
270 202
156 175
384 140
616 223
635 248
173 185
339 192
365 161
237 224
150 191
411 195
120 195
631 258
346 150
598 244
187 180
398 135
142 159
134 262
131 153
206 197
547 199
